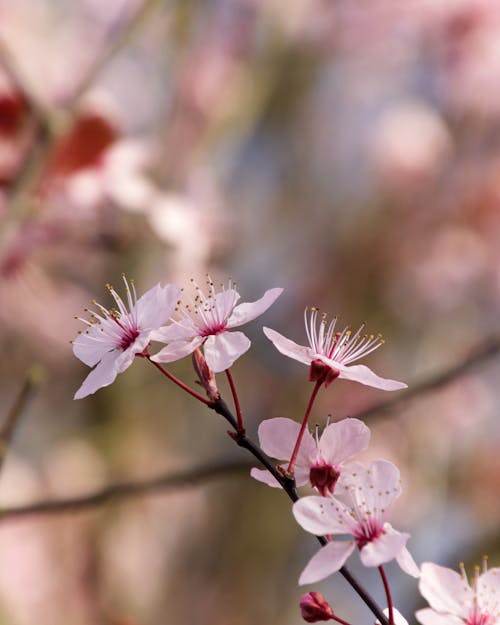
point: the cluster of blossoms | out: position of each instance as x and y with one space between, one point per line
351 508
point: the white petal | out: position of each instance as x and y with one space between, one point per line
444 589
343 440
374 487
263 475
399 619
328 560
243 313
177 350
384 548
407 563
91 346
224 303
488 590
364 375
289 348
322 515
221 350
277 438
103 375
183 330
156 306
428 616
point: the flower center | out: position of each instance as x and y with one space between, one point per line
479 618
128 333
367 532
324 477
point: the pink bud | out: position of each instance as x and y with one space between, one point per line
314 608
206 375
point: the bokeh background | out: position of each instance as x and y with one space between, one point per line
345 150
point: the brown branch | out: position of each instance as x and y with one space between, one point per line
124 490
34 378
478 356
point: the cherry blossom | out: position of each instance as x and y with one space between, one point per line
320 459
330 354
453 601
207 320
114 337
360 511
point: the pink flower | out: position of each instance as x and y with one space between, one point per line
115 336
361 511
320 460
207 321
454 601
331 353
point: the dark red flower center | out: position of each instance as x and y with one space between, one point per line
320 372
324 477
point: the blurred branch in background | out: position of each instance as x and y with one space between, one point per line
479 355
34 379
193 477
121 490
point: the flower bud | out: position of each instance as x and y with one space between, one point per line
206 377
314 608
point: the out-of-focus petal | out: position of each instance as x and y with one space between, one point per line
428 616
177 350
263 475
328 560
488 590
364 375
343 440
103 375
289 348
221 350
407 563
444 589
248 311
384 548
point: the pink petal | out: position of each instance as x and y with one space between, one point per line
103 375
221 350
263 475
91 346
488 590
243 313
444 589
374 487
322 515
277 438
183 330
156 306
289 348
329 559
224 302
407 563
177 350
364 375
427 616
384 548
343 440
399 619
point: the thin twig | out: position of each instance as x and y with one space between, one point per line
124 490
32 382
479 355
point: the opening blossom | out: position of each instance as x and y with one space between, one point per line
360 511
320 459
207 320
330 353
453 601
114 337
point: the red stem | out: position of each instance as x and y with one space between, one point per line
236 400
184 387
387 594
316 388
339 620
